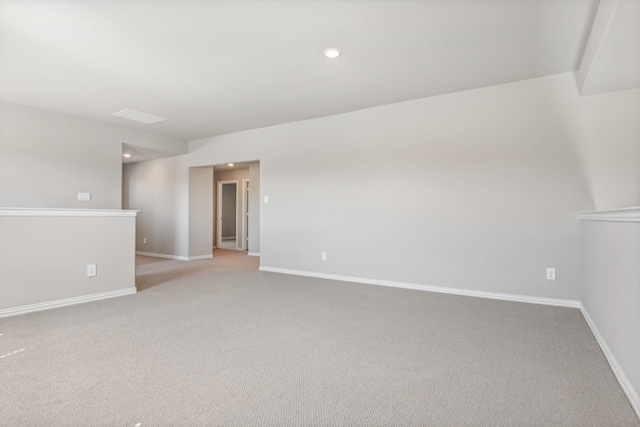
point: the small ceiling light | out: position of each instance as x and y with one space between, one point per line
127 155
230 164
332 52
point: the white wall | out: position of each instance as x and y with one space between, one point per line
159 189
47 158
611 295
254 208
44 257
608 132
490 179
201 205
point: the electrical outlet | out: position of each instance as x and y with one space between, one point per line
92 270
84 197
144 240
551 274
324 256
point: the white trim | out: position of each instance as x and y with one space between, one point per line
65 212
65 302
176 257
254 254
179 258
625 384
194 258
439 289
615 215
245 220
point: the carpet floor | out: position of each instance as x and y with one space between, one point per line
218 343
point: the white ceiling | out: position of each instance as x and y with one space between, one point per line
214 67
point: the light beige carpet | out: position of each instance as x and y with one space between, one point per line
217 343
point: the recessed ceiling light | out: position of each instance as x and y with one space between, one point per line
332 52
139 116
230 164
126 155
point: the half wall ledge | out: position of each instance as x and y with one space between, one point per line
613 215
57 257
65 212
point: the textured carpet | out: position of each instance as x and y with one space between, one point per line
217 343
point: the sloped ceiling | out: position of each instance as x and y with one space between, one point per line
611 60
214 67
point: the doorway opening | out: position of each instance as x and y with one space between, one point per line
244 178
227 235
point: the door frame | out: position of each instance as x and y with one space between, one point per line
219 211
245 214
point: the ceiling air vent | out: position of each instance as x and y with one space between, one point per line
139 116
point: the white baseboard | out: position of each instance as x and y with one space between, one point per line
439 289
176 257
253 253
64 302
622 378
179 258
193 258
